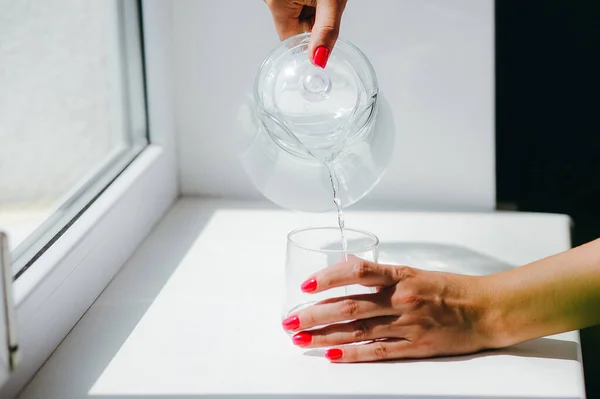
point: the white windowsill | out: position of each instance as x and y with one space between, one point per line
24 287
59 287
195 313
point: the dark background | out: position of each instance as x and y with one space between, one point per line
547 121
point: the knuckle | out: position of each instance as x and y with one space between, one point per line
427 323
408 300
390 274
328 30
412 300
348 308
425 345
322 340
307 318
380 351
425 348
361 270
404 272
310 319
413 321
362 331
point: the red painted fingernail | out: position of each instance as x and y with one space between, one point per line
302 339
333 354
321 56
309 285
291 323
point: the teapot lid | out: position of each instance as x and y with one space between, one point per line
314 109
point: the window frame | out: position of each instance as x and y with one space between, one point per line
65 280
128 109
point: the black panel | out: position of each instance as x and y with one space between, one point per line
548 118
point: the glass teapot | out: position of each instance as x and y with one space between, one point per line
307 131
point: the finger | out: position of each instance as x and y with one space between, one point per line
325 30
375 351
307 18
356 271
336 310
287 27
286 17
355 331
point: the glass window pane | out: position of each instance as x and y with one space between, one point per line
72 112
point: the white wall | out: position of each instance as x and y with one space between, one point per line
434 60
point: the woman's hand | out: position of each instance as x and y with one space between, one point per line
322 17
413 314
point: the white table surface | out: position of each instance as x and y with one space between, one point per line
196 313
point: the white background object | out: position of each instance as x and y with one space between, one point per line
196 311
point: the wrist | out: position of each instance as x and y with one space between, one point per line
490 307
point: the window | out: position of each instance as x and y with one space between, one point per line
72 113
87 159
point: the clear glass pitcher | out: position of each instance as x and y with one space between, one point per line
306 129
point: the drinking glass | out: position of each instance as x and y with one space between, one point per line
312 249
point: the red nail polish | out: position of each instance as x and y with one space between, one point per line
302 339
333 354
309 285
291 323
321 56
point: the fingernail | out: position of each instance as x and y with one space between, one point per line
309 285
291 323
321 56
302 339
333 354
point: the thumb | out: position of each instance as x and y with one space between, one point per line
326 29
